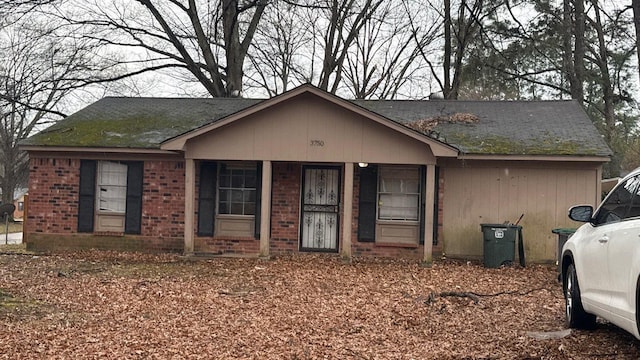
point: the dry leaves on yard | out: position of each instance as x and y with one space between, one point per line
117 305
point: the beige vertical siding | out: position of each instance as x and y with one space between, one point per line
495 192
307 129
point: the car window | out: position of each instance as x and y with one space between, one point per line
618 204
634 210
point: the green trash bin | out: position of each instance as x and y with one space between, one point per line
499 244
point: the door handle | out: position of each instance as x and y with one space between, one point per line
603 240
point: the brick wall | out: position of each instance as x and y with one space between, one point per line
163 199
53 208
53 201
53 196
285 207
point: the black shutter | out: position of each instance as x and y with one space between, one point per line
133 212
258 214
367 204
423 199
86 199
207 198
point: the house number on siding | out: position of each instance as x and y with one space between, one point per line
317 143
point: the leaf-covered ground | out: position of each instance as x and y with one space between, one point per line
115 305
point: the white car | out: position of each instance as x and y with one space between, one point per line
601 261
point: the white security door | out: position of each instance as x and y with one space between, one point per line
320 204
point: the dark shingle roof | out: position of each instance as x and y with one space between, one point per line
503 127
136 122
508 128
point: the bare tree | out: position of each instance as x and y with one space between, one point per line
339 25
41 64
276 55
207 40
385 59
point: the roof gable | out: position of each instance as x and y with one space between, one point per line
437 147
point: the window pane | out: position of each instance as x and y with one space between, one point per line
249 209
411 186
250 179
111 187
249 196
236 196
224 195
237 189
223 207
237 181
236 209
225 180
399 193
634 211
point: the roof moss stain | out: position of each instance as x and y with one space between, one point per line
130 132
500 145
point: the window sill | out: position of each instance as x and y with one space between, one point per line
399 245
233 238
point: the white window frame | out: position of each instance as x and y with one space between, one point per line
222 187
398 188
111 187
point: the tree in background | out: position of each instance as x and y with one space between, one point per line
373 49
42 64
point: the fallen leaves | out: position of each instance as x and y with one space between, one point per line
122 305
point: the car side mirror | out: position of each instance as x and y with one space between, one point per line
581 213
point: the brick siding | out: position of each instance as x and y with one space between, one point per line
53 200
285 207
53 208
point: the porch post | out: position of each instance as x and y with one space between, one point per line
189 208
347 213
265 209
429 191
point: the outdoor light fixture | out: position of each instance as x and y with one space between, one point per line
363 165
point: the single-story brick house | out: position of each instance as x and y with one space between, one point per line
309 171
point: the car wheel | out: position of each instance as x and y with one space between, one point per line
575 316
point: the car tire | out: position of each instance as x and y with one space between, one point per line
575 316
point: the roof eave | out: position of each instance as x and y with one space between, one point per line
77 149
524 157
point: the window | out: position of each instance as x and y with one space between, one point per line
229 199
398 193
111 187
20 206
617 205
237 190
110 196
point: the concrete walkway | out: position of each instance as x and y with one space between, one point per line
11 238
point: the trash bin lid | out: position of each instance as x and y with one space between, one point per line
564 231
505 226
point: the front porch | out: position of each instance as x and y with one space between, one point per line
305 207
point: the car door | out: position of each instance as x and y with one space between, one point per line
593 274
594 271
623 251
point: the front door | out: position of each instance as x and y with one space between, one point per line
320 203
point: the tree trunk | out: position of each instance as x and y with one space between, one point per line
607 91
577 89
447 49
